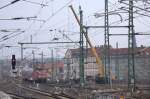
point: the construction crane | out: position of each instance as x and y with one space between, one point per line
101 76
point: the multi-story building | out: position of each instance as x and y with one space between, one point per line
118 63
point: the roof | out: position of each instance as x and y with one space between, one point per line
75 53
87 52
58 63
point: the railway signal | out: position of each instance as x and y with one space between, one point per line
13 62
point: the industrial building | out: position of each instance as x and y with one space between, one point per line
119 63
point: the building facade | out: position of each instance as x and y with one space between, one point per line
118 64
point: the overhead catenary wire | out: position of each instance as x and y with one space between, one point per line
119 22
41 4
60 9
136 7
146 32
140 15
51 16
55 13
20 18
68 38
30 26
143 23
6 38
124 20
9 34
13 2
136 12
127 19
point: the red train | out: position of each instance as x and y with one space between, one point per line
36 74
40 73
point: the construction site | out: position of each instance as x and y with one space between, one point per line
74 49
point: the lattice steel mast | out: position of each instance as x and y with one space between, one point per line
131 64
107 45
81 49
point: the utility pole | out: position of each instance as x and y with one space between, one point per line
81 49
33 61
117 64
19 69
68 69
131 64
86 44
107 45
42 56
52 61
21 52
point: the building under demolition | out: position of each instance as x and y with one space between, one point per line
118 63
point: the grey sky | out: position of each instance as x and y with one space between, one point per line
63 21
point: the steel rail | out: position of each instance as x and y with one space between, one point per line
53 95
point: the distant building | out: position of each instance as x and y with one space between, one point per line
119 63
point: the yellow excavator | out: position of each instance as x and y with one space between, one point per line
100 77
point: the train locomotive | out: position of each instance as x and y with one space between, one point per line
34 74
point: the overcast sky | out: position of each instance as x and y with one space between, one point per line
57 16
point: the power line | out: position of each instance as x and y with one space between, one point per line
60 9
37 14
6 38
143 23
9 30
20 18
44 22
136 7
137 12
9 4
41 4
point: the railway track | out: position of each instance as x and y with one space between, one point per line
15 96
49 94
45 93
11 88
